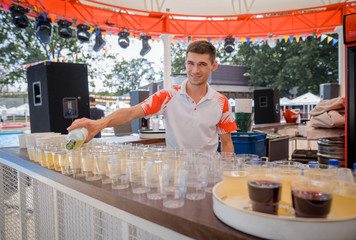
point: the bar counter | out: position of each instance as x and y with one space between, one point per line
195 219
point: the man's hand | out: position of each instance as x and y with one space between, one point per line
93 126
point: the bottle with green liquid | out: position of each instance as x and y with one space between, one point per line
76 138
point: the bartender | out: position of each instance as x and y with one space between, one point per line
195 114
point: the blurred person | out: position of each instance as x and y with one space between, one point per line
95 113
195 114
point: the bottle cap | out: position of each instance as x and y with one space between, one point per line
334 162
354 165
313 164
70 145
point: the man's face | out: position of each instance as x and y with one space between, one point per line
199 67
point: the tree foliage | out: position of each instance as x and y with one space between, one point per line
22 46
304 64
127 75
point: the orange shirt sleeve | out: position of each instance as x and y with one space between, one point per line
227 122
157 102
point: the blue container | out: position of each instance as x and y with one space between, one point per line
249 143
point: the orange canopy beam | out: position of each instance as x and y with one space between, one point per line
311 20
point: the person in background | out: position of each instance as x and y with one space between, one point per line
195 114
95 113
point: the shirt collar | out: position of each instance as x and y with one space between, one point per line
208 95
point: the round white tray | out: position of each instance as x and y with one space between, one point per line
149 134
236 214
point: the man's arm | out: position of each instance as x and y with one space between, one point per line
117 118
226 143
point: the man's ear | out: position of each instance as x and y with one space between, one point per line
215 66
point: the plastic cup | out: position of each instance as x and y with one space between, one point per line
75 163
101 168
265 192
137 174
22 140
88 166
118 173
311 198
216 166
154 179
344 200
64 163
197 172
174 179
235 180
289 170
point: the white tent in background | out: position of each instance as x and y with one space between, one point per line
283 102
308 101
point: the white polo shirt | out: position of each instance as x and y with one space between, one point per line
191 125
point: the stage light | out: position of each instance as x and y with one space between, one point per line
18 16
64 30
124 41
99 41
83 34
145 46
229 45
271 41
44 29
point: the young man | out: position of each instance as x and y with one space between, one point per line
195 114
95 113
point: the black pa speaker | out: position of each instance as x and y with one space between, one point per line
329 91
266 105
138 96
57 94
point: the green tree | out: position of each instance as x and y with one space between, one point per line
128 75
178 57
22 46
305 64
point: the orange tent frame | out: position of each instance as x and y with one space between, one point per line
319 20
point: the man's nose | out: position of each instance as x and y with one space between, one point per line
196 68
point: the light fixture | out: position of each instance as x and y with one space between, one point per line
271 41
145 46
64 30
99 41
44 29
229 45
18 16
83 34
124 41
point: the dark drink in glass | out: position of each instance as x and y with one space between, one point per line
311 204
265 195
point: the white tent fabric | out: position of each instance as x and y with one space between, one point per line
284 101
305 99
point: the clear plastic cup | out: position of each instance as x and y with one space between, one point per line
196 181
64 163
311 198
174 179
137 174
235 179
88 165
344 200
75 163
264 190
118 171
101 167
154 179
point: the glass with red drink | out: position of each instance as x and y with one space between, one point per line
311 198
265 192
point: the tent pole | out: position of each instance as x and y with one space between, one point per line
167 39
342 66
